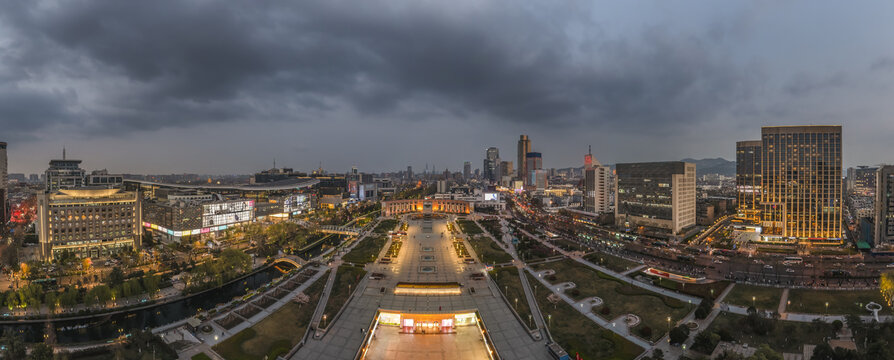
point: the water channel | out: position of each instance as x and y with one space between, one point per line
101 327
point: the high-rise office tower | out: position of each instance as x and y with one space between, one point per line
884 208
467 170
409 173
801 183
491 164
596 185
506 169
655 194
864 180
524 147
533 162
4 185
748 179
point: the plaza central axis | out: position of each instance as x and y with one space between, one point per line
426 296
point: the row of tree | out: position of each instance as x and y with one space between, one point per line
34 295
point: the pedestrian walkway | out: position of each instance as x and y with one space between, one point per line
633 270
783 301
587 311
673 352
532 300
324 298
666 292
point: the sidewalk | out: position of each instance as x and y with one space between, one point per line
673 352
652 288
586 311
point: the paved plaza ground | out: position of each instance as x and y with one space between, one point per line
426 255
466 344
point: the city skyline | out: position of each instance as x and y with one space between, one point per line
582 73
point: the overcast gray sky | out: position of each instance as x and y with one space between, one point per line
169 86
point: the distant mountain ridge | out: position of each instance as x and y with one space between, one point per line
713 166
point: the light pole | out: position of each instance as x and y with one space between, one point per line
668 329
753 298
516 304
530 324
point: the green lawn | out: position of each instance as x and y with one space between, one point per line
367 250
578 334
709 290
568 245
488 251
787 336
765 298
619 298
385 226
469 227
840 302
510 285
493 227
276 334
341 291
611 262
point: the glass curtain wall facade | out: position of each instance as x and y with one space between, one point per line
801 183
748 179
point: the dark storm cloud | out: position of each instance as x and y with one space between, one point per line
803 84
153 64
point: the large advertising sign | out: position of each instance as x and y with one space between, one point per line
227 213
293 203
491 196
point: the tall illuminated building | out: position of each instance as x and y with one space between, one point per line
524 147
491 164
4 184
864 180
801 183
748 179
533 162
884 208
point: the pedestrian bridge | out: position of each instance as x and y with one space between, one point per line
341 230
295 261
